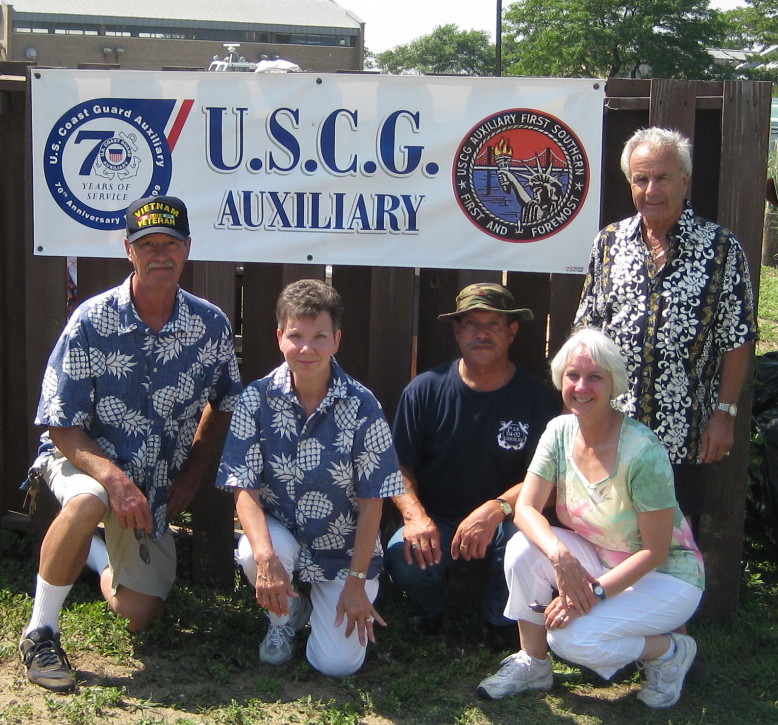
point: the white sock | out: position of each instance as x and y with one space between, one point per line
47 604
292 604
276 620
97 559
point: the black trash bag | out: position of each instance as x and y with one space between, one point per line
762 500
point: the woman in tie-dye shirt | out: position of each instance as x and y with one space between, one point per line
613 586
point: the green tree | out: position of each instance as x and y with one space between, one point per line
752 25
755 28
607 38
447 49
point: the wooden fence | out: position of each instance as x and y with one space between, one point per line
391 329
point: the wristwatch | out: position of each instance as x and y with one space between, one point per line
730 408
598 591
507 509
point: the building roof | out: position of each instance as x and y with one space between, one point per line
193 13
728 55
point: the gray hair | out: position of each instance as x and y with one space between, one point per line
658 138
603 352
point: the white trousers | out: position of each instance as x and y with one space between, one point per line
329 650
614 632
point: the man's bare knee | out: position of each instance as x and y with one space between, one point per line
84 509
140 610
141 622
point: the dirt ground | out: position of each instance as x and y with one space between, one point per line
291 694
145 682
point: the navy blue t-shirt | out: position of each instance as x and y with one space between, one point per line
465 446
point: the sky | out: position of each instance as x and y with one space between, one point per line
396 22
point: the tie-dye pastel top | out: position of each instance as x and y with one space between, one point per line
605 512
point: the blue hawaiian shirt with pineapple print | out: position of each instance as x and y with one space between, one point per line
309 472
136 393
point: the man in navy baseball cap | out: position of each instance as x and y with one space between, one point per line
137 401
155 214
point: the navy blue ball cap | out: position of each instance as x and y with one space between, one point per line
157 215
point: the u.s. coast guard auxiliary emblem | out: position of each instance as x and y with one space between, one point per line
521 175
102 154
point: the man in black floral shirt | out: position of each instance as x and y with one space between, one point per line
673 290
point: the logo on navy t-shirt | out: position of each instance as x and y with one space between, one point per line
512 436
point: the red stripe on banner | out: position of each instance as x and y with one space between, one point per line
178 124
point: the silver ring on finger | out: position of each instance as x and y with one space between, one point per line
369 620
415 545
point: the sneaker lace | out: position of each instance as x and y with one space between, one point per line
653 673
278 635
511 664
47 654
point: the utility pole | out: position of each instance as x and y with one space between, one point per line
498 42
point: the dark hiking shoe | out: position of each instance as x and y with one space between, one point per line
46 662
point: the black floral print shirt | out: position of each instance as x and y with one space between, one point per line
672 324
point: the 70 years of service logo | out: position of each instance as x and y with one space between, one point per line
521 175
103 154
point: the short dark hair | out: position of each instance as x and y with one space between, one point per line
309 298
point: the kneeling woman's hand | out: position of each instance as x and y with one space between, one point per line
558 614
272 587
573 582
355 606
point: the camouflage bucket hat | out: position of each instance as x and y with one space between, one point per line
488 296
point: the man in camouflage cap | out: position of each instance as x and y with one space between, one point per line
465 433
136 401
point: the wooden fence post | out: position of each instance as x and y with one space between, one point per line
744 140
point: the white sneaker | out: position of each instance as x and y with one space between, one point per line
664 678
278 644
276 648
519 672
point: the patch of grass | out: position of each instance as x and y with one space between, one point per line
86 706
768 311
198 667
17 713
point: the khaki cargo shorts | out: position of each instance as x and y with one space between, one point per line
136 561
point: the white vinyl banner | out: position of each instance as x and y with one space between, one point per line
454 172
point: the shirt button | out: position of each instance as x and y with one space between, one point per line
153 370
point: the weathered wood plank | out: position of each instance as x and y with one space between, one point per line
744 141
391 338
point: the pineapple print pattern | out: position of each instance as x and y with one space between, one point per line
310 472
337 531
139 395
